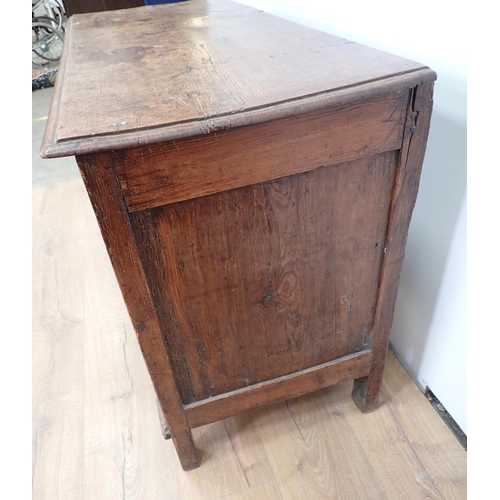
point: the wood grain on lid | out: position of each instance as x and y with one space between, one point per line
137 70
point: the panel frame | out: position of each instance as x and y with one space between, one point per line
198 250
156 175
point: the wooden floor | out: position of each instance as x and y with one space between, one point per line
96 432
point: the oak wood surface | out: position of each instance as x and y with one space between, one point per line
281 388
186 64
404 196
266 280
189 168
88 446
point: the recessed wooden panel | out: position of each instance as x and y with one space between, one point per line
188 168
266 280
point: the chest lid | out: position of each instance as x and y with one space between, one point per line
159 72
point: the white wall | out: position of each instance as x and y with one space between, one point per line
429 330
444 362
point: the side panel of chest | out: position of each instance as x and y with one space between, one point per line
267 280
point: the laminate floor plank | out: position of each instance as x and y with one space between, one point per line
265 491
309 461
125 455
442 457
57 353
58 255
96 431
247 443
220 473
382 442
113 363
332 446
57 452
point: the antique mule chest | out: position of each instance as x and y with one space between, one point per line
253 181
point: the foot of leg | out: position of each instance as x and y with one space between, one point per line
365 392
186 451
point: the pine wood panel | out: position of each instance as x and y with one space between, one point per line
53 243
412 453
57 450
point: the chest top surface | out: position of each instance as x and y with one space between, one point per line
138 75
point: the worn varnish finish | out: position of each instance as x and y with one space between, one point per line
254 203
267 280
196 166
404 195
201 66
278 389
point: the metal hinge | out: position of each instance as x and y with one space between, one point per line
413 125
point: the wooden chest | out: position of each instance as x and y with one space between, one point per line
253 181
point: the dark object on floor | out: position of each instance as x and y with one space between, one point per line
447 418
85 6
44 80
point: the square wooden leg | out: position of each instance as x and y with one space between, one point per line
185 448
183 443
365 391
